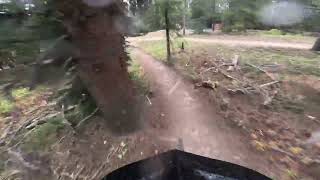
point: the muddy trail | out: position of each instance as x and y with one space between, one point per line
185 112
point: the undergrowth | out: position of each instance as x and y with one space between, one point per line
137 75
43 136
20 93
78 97
298 62
6 106
274 32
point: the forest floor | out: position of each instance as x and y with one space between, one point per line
279 118
212 113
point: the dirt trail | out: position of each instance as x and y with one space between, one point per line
236 42
185 114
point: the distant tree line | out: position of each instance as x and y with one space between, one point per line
236 15
294 16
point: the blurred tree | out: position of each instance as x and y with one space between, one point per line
26 29
168 15
155 16
315 6
242 14
97 30
203 14
139 7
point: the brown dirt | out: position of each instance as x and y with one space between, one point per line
186 113
97 151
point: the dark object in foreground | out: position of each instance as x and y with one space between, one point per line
179 165
316 46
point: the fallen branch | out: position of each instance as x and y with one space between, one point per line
39 121
283 152
94 176
148 100
227 75
76 176
207 70
88 117
262 70
313 119
237 91
316 120
269 84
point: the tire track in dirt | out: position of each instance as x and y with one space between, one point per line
193 118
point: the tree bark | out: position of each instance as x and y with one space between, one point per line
166 16
97 32
316 46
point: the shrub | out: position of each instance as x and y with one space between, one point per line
198 25
5 106
275 32
44 136
20 93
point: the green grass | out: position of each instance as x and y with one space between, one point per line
279 34
137 75
43 136
6 106
274 32
158 49
20 93
135 70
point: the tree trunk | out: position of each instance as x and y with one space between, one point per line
184 17
316 46
166 16
98 36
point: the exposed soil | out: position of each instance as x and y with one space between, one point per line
187 113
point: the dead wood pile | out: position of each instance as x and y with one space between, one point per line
230 76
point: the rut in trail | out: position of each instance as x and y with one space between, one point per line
194 119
